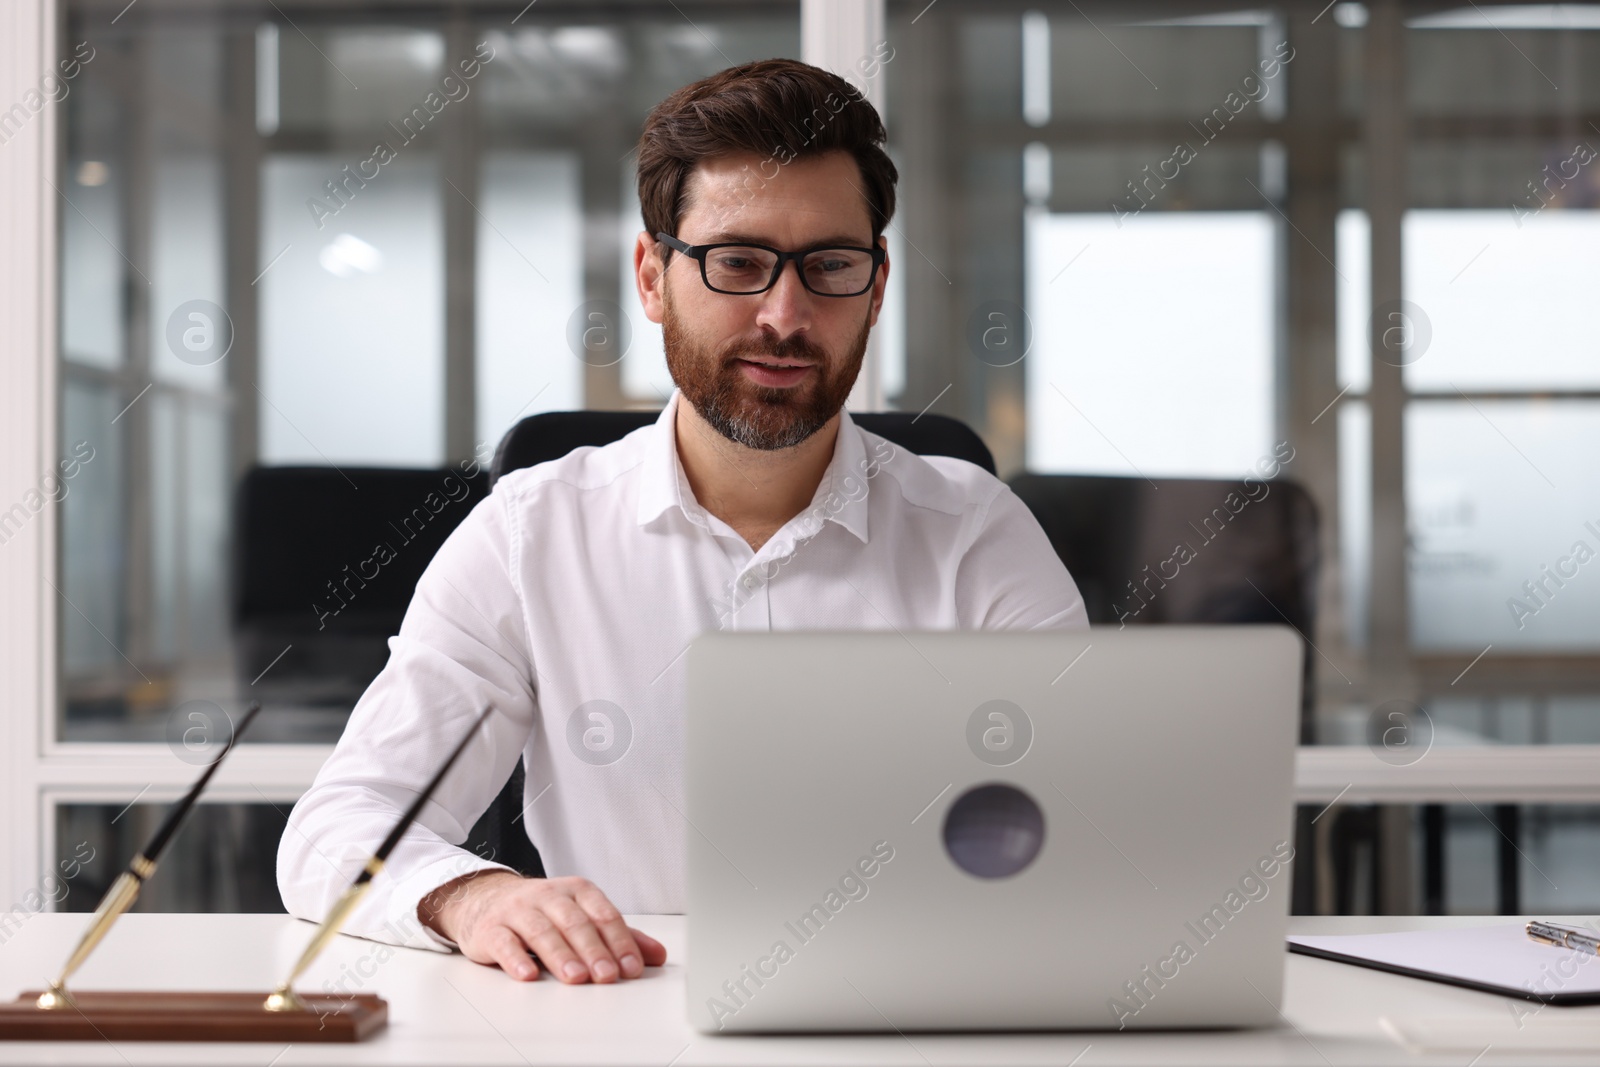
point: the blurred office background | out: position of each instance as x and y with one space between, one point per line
1166 318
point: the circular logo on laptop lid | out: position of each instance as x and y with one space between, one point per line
993 830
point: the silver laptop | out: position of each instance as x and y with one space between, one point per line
987 831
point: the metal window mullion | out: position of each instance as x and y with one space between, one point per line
929 216
460 160
600 176
1306 372
1309 366
1390 673
242 160
1385 156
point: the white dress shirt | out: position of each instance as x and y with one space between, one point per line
567 599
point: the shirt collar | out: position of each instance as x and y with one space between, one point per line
841 496
664 485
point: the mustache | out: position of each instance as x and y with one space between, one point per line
797 348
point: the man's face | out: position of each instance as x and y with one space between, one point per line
767 370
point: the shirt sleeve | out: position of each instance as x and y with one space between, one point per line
463 645
1010 578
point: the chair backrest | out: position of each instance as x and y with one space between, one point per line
552 434
309 576
1185 550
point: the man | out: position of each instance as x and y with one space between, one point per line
568 597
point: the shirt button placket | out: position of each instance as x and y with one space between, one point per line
754 612
760 604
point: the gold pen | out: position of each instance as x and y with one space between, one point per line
284 998
125 890
1564 937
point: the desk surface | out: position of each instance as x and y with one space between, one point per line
445 1009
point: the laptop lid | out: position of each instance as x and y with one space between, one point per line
992 830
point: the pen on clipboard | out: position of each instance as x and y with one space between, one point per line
1564 937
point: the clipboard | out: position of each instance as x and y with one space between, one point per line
1488 959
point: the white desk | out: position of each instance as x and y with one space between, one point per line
445 1009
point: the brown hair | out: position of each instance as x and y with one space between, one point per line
781 109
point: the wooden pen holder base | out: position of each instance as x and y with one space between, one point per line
171 1016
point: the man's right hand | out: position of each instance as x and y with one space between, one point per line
499 917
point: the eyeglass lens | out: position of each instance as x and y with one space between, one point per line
830 271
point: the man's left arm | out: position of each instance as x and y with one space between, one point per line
1009 577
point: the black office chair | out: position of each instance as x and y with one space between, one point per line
313 609
551 435
1256 561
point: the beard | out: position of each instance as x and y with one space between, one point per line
759 416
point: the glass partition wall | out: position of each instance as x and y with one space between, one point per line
1486 377
1144 240
1183 199
346 237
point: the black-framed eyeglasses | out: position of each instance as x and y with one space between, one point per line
746 269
